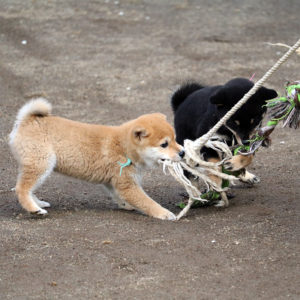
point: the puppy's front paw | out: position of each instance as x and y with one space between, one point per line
166 215
254 180
249 178
43 204
237 162
232 165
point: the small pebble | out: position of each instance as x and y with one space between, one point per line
106 242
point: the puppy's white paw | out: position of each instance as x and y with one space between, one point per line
167 215
221 203
249 178
255 180
43 204
41 212
40 203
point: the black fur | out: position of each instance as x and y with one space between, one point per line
197 109
181 94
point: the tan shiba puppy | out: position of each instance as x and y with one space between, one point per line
112 155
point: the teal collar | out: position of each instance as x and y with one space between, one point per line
128 163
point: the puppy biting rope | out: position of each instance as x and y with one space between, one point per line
196 165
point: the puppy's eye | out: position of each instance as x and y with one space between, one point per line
164 145
252 121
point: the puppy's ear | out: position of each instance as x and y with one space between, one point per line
267 94
139 133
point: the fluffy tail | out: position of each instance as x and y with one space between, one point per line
36 107
183 92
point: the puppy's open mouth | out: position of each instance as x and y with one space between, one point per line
161 160
166 160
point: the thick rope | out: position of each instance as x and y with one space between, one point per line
203 169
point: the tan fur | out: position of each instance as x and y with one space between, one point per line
42 143
236 163
224 201
239 162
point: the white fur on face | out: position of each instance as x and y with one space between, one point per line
152 155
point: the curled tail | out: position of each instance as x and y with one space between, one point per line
183 92
36 107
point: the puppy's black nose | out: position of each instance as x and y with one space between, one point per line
181 153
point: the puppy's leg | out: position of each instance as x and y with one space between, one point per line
133 194
224 200
30 177
238 162
121 203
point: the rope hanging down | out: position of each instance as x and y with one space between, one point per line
203 169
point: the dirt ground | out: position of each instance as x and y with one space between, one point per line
108 62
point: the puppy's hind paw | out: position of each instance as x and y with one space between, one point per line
221 203
43 204
40 212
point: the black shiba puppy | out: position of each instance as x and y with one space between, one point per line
197 109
